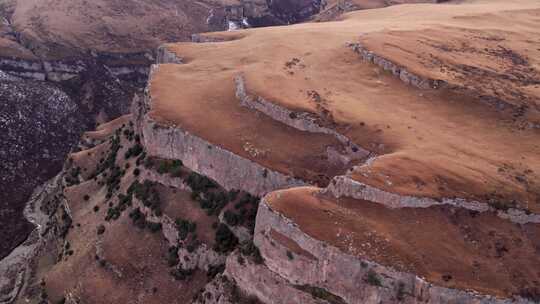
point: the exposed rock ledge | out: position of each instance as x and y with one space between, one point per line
166 56
422 82
343 186
228 169
341 274
62 70
302 121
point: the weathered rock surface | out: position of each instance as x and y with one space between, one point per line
229 170
39 124
320 264
343 186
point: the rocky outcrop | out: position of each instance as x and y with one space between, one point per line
202 257
302 121
397 70
322 266
343 186
62 70
198 38
267 286
228 169
422 82
258 13
164 55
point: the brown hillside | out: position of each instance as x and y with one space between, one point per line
437 143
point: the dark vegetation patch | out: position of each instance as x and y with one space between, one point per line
372 278
185 227
321 293
214 270
172 167
226 241
139 220
172 256
147 193
248 249
181 274
100 229
72 178
245 212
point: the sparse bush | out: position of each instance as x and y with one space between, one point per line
530 293
321 293
231 218
73 177
373 279
154 227
100 229
290 255
172 256
140 159
249 249
86 197
138 218
147 194
181 274
400 295
199 182
226 241
185 227
214 270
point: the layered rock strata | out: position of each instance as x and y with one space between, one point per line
343 186
320 264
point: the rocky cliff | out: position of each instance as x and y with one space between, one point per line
88 53
253 170
354 239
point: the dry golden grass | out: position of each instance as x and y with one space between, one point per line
479 251
431 143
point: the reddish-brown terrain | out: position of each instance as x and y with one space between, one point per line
391 156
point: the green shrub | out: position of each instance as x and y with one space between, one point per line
249 249
290 255
373 279
199 182
172 257
231 218
321 293
185 227
147 194
400 294
138 218
153 227
226 241
100 229
181 274
214 270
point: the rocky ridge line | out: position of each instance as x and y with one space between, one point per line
167 141
344 186
426 83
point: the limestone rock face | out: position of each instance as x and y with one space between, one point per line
229 170
315 263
